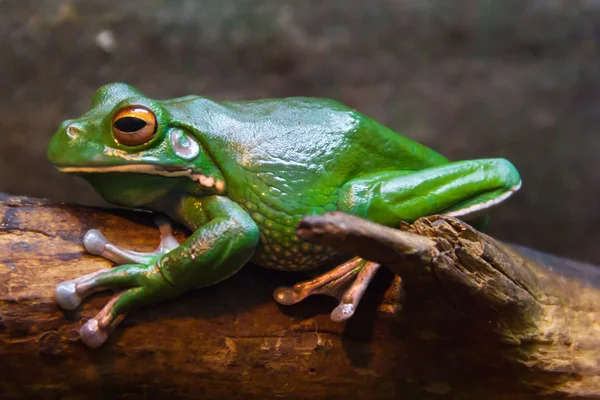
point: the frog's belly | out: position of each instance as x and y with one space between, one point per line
293 256
279 247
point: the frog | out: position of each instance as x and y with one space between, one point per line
240 175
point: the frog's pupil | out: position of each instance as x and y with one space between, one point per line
129 124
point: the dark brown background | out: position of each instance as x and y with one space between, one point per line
472 79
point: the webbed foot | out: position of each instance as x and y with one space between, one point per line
138 283
347 283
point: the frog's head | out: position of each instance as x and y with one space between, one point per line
133 151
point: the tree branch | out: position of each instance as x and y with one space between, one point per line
473 318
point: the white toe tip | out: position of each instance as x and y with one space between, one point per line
342 312
92 335
94 242
66 295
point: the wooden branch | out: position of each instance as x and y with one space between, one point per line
476 319
524 307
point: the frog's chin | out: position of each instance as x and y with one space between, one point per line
207 182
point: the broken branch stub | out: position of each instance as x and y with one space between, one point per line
515 304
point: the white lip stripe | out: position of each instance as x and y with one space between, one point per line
150 169
473 209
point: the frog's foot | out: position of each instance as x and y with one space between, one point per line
95 243
137 285
347 282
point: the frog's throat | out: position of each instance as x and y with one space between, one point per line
475 210
206 181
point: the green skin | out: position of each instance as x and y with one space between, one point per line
264 165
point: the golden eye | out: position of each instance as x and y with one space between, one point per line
134 125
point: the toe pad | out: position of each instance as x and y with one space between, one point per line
92 335
342 312
286 296
66 295
94 242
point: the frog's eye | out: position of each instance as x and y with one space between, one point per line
133 126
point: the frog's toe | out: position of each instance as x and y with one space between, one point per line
92 335
66 295
347 283
70 294
287 296
95 242
342 312
355 292
168 242
97 330
140 286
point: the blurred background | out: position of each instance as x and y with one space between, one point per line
471 78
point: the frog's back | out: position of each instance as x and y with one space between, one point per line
305 134
287 158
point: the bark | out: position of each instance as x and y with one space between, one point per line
471 318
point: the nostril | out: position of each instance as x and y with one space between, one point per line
74 130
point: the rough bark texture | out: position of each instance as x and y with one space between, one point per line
475 319
470 78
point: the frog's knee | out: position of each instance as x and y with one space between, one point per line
357 196
510 174
354 198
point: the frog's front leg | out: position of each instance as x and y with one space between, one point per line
463 189
97 244
224 240
69 298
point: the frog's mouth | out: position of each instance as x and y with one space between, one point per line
208 182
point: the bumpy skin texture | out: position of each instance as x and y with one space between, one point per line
241 175
284 159
281 159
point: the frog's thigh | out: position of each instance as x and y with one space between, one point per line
461 189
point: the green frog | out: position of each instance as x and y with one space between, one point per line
241 175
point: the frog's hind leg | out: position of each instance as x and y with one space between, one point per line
97 244
465 189
347 282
